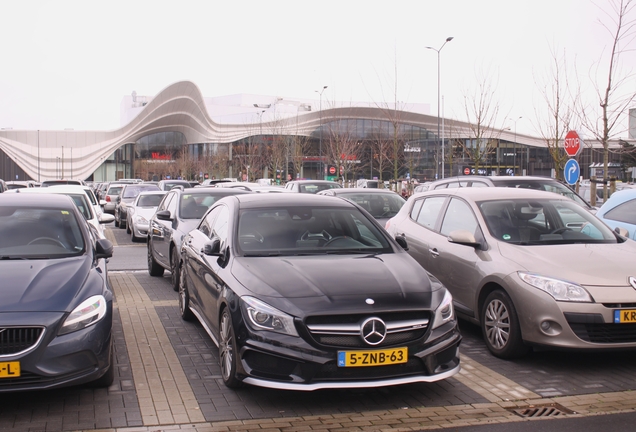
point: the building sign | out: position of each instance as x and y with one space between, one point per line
160 156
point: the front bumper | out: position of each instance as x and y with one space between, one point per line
58 361
291 363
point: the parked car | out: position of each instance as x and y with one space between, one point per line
178 213
60 182
80 196
308 292
521 182
311 186
57 306
620 211
139 214
382 204
17 184
532 268
126 197
3 186
112 192
166 185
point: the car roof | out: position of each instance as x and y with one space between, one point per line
257 200
347 191
315 181
57 189
38 200
617 199
482 194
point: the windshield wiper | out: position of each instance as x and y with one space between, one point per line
12 257
268 254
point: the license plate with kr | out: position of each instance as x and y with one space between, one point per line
624 316
372 357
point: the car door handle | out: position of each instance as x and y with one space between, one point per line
434 252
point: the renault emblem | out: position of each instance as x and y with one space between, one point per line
632 281
373 331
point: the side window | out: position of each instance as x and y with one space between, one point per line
208 221
479 184
459 216
172 205
430 211
625 212
220 227
165 202
415 211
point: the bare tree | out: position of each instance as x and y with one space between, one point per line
342 145
613 97
482 112
560 110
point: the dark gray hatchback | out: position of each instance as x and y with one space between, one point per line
56 309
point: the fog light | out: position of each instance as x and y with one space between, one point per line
551 328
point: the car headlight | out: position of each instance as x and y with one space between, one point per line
444 312
140 220
86 314
559 289
262 316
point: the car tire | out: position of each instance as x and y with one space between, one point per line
184 299
228 351
500 326
174 269
154 268
128 229
108 378
133 237
116 220
122 222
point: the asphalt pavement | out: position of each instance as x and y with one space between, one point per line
168 378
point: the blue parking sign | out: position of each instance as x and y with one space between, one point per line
571 172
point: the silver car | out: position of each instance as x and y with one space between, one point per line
139 214
532 268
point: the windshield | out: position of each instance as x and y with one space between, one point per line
545 185
317 187
194 206
308 231
543 221
384 205
28 233
149 200
133 191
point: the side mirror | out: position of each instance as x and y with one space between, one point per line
163 215
102 202
212 247
103 249
401 240
105 218
463 237
621 231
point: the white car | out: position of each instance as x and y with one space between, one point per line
139 213
81 196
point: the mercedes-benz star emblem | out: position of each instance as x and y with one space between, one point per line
632 281
373 331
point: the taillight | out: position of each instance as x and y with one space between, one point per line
107 198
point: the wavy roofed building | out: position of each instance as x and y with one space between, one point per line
179 123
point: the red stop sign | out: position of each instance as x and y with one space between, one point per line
572 144
332 170
466 171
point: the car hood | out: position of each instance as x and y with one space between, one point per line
585 264
42 285
319 282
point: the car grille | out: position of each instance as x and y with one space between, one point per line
344 331
14 340
605 333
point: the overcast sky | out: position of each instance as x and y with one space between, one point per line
67 64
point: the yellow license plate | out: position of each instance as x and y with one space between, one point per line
373 357
624 316
9 369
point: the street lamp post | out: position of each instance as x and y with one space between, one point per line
514 156
320 141
439 138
